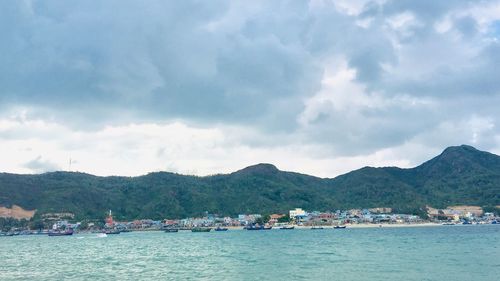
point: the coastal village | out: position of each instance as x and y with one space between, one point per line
64 223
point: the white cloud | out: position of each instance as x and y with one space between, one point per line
137 149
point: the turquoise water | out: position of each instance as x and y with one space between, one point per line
417 253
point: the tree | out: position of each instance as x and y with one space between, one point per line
36 225
285 218
259 221
266 218
84 225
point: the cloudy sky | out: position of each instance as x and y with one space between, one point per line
204 87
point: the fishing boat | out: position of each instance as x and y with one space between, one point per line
258 227
201 229
339 227
61 233
221 228
111 231
254 227
168 230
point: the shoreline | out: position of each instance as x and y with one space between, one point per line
301 227
371 225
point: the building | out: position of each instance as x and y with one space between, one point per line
380 210
298 212
455 212
274 218
298 215
467 211
58 216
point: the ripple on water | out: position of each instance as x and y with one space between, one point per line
439 253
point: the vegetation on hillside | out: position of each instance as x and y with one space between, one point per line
460 175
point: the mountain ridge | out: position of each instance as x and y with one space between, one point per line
459 175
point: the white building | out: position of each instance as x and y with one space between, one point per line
298 212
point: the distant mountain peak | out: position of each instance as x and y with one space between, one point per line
458 159
462 151
460 148
262 168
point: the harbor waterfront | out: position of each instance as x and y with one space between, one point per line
461 252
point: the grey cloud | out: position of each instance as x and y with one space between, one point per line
96 63
477 77
357 131
427 10
467 26
40 165
157 60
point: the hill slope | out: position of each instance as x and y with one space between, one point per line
460 175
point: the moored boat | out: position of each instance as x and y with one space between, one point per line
201 229
61 233
339 227
111 231
287 227
168 230
253 227
257 227
221 228
316 227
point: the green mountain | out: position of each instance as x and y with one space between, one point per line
459 175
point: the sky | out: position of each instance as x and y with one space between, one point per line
205 87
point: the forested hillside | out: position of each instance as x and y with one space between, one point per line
460 175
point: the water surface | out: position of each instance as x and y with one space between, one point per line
416 253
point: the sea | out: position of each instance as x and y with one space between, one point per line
468 252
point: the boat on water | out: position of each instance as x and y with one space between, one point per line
111 231
316 227
257 227
287 227
339 227
448 223
102 235
201 229
61 233
168 230
221 228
